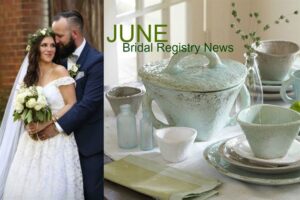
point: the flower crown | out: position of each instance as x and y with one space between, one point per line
38 34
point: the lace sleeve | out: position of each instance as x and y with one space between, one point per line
66 80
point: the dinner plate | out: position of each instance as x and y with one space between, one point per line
274 83
275 96
252 167
275 88
212 156
241 147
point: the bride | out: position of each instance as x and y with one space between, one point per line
48 169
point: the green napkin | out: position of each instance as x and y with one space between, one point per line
159 181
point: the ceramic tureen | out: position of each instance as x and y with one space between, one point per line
195 90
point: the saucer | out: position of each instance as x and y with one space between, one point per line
240 146
242 163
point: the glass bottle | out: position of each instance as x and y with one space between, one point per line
146 137
253 80
126 128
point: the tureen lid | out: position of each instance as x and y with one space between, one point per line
202 72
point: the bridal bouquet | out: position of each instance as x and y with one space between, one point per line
31 105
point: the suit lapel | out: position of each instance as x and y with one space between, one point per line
83 55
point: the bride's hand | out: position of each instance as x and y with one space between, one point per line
31 128
34 128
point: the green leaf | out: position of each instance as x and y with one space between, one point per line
23 116
258 21
250 15
277 22
247 46
256 14
16 116
29 116
232 25
238 31
296 12
281 17
287 21
40 116
234 13
233 4
238 20
266 27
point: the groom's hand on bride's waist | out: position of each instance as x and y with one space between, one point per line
48 132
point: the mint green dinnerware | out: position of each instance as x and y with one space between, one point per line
195 90
121 95
276 58
293 80
269 129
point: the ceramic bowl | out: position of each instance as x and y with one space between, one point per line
269 129
275 58
175 142
120 95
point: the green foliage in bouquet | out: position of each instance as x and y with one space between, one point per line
31 106
251 37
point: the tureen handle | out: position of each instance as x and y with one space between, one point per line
175 67
147 103
245 101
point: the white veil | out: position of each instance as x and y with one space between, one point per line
10 131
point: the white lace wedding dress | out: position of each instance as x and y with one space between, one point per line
50 169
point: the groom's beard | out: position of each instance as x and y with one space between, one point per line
66 50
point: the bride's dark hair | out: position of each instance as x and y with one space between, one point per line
34 41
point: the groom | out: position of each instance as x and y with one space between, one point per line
85 118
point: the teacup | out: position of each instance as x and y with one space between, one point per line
293 80
270 130
121 95
175 142
275 58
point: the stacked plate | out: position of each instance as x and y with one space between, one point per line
234 158
237 152
271 90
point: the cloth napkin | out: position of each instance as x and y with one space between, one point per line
159 181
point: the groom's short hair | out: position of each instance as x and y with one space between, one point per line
73 17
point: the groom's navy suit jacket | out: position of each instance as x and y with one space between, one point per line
85 118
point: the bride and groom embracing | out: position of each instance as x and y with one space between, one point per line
66 161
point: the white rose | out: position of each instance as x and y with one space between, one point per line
38 107
19 107
31 103
21 98
74 68
42 101
28 93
